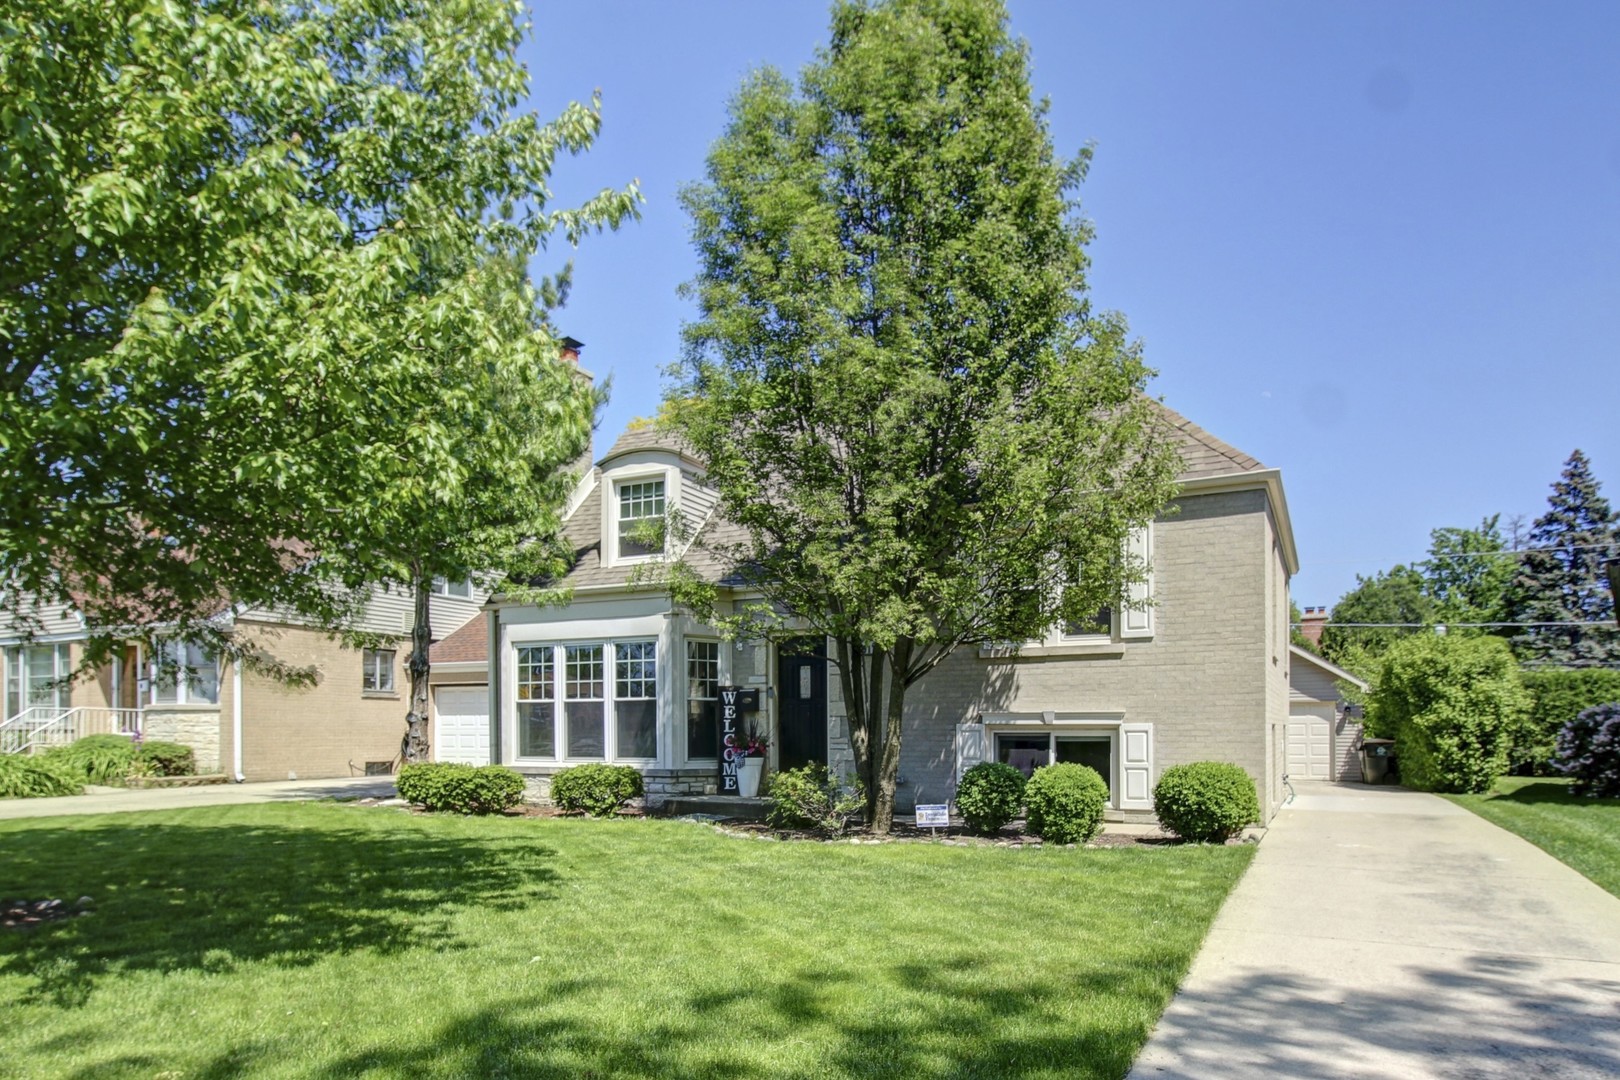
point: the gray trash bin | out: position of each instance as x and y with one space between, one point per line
1377 755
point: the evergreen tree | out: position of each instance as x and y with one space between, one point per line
1560 579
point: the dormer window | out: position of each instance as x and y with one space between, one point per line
641 518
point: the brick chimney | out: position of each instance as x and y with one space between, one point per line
569 351
1311 623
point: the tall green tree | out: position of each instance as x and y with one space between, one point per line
1373 616
1468 573
1560 581
242 239
903 395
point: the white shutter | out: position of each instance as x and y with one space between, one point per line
1136 621
970 747
1136 766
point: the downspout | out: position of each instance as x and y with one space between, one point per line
236 720
493 671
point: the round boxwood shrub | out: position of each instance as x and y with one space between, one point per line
1206 800
1589 751
990 795
810 797
1065 803
159 758
462 789
597 790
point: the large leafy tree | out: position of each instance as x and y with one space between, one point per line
1560 582
905 400
1468 572
246 304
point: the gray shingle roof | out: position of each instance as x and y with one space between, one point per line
1202 455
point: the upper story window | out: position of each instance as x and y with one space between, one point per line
461 589
184 674
640 518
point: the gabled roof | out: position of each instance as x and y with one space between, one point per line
1202 454
1327 666
469 644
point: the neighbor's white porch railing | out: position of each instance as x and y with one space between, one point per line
41 727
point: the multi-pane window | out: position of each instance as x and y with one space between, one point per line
1028 752
36 675
641 518
536 693
377 674
184 675
564 709
584 708
635 699
702 699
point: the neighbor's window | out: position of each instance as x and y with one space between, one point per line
584 707
702 699
379 671
463 589
36 676
184 674
641 516
536 697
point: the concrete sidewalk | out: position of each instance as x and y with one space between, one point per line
117 800
1387 933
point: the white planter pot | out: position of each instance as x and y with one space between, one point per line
749 770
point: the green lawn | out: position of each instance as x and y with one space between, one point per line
1585 833
323 940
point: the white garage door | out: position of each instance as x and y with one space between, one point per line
1310 747
463 728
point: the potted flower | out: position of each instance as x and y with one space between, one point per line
748 748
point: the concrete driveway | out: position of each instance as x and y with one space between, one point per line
1387 933
115 800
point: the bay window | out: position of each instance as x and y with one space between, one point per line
564 710
703 699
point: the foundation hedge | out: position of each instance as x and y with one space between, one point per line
1064 803
1206 801
990 795
597 790
460 789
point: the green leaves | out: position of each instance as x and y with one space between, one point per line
263 271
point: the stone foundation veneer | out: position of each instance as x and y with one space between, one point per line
195 727
660 784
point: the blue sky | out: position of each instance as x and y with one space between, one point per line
1376 245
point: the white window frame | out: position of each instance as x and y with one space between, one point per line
367 658
670 478
1055 732
185 687
558 702
443 587
687 699
1130 618
18 682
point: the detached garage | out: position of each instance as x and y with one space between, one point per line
1322 743
460 684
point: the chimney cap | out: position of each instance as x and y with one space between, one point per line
572 344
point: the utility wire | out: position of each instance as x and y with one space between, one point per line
1428 625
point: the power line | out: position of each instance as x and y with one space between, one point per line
1431 625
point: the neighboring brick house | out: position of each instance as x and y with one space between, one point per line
1200 673
350 721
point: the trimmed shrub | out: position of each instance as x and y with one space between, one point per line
990 795
1206 801
1589 751
597 790
809 798
1065 803
1557 696
158 758
1452 705
24 776
462 789
96 759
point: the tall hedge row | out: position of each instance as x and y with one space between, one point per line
1557 696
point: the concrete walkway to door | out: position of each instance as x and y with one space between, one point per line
1387 933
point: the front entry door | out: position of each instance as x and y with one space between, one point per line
802 694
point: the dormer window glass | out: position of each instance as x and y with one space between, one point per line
641 515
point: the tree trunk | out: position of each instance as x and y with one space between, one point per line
888 771
415 747
853 681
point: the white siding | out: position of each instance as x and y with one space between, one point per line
52 621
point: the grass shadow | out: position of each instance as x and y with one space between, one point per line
173 897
